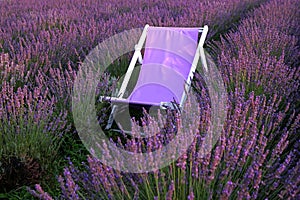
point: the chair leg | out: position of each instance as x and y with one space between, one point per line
111 118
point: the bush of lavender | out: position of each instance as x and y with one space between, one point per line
250 161
30 129
47 41
256 156
42 34
263 53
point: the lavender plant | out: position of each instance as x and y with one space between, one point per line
47 41
257 154
262 53
251 161
30 130
42 35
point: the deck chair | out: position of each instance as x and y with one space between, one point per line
167 67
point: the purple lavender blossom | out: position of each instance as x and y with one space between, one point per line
256 156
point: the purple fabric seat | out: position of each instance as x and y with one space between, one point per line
168 58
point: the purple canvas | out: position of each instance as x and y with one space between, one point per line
168 57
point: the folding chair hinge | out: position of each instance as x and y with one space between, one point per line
168 105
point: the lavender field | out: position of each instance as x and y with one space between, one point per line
255 45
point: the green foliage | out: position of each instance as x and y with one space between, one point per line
28 139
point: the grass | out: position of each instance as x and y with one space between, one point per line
71 149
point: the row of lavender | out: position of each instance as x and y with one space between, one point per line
43 41
49 33
257 154
263 54
40 44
